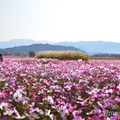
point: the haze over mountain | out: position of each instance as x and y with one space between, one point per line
16 42
19 42
95 47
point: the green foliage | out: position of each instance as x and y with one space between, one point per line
69 55
31 53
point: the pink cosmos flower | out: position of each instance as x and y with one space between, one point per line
4 94
78 118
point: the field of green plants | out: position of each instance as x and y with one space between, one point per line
52 89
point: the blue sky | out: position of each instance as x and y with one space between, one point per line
60 20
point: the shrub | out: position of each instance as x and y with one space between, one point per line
69 55
31 53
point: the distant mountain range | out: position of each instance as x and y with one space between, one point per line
23 50
90 47
95 47
16 42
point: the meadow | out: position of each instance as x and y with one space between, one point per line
52 89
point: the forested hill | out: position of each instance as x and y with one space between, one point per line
23 50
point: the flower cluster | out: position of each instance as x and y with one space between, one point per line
51 89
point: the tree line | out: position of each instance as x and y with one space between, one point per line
107 55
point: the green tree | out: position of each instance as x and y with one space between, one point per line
31 53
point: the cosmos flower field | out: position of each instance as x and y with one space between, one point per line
51 89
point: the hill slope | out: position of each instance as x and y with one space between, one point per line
37 48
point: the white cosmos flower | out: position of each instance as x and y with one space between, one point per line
50 100
3 105
109 91
18 95
18 115
8 112
118 87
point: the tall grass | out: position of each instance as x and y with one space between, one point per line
69 55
